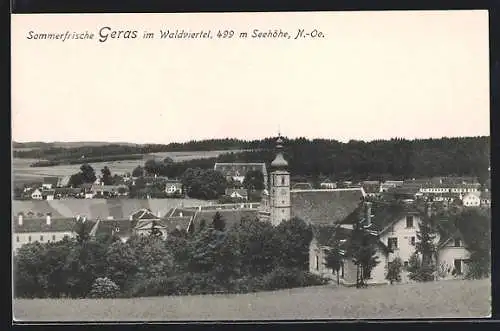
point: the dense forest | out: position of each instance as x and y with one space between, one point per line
356 160
377 160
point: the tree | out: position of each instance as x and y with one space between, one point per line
138 172
28 262
334 256
291 243
204 184
362 250
394 270
254 180
168 160
256 246
153 258
218 222
426 248
474 225
121 263
88 173
107 179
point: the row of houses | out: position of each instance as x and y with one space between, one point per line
45 227
396 229
49 191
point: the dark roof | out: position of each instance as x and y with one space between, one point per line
302 186
93 208
383 214
231 217
325 206
486 195
123 226
48 192
144 214
40 225
67 190
239 169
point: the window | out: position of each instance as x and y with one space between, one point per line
409 221
342 269
412 241
41 238
317 262
405 264
53 237
29 238
17 238
458 242
282 180
458 267
392 243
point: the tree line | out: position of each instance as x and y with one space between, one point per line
213 258
379 159
356 160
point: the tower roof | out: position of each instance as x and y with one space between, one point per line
279 160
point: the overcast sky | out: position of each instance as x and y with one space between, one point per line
376 75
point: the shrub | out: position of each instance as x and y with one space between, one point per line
394 270
104 288
282 278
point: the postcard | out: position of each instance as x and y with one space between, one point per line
270 166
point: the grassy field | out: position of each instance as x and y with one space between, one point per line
457 299
22 171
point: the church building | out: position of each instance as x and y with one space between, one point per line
314 206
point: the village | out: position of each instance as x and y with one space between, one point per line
52 209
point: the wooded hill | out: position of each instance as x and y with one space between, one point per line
355 160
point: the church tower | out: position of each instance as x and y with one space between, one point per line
280 187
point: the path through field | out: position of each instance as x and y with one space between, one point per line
457 299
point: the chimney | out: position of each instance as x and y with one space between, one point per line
20 219
48 218
130 218
368 215
180 214
158 214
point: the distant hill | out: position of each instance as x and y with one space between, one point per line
66 144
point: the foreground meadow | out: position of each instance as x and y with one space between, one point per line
445 299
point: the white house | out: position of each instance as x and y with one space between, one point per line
36 195
471 200
27 229
396 229
328 184
173 187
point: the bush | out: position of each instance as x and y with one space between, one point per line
282 278
207 283
104 288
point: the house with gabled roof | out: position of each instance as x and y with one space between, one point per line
396 227
327 184
237 171
30 228
236 193
49 183
486 198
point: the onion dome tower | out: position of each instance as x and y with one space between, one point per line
280 204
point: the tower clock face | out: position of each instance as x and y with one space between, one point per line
283 192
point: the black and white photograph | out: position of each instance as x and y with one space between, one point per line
239 166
